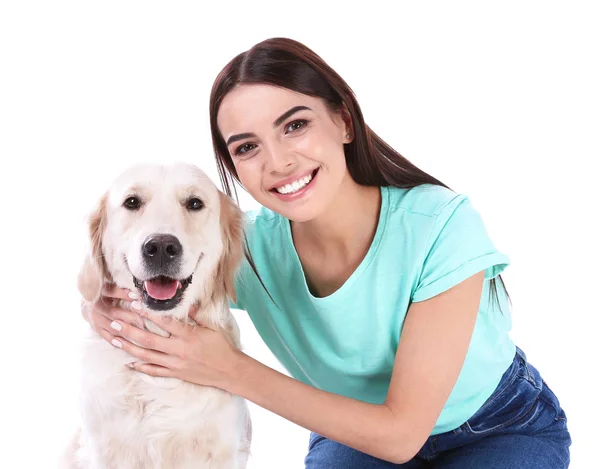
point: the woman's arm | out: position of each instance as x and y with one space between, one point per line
430 355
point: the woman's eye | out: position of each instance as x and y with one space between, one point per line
245 148
296 125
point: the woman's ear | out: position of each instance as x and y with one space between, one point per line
347 124
93 272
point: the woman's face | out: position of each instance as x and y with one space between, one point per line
287 148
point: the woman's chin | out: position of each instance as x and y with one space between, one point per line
300 212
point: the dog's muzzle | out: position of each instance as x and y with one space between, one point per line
162 256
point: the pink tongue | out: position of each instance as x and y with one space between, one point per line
161 290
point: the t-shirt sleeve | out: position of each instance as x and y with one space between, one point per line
458 247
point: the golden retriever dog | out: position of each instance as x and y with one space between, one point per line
170 234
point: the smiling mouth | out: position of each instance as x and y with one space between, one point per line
162 293
296 186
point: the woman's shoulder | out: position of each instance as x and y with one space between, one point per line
262 226
260 219
267 240
425 199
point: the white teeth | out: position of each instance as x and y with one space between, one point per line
294 186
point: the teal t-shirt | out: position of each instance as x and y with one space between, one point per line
427 240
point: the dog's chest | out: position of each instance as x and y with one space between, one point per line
123 408
117 388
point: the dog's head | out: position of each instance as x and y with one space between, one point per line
167 232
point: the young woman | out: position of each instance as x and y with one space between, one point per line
373 283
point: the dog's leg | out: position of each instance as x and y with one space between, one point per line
246 442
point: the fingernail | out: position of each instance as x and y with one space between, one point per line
136 305
130 365
116 326
116 343
133 295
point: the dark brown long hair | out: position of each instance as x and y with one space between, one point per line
289 64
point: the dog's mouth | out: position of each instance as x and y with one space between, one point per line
162 293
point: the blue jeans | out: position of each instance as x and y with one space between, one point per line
521 426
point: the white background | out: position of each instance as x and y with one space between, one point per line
500 100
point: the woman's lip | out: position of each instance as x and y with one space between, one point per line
289 180
302 192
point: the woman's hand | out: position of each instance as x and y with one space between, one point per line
193 353
114 304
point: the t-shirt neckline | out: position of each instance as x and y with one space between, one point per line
364 264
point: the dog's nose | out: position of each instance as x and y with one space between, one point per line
160 249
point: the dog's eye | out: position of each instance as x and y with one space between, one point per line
132 203
194 204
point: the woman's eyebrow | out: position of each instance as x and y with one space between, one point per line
289 113
235 138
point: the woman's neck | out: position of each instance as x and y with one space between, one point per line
348 225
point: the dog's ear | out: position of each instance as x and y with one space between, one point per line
93 271
232 232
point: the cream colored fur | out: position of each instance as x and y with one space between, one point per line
130 420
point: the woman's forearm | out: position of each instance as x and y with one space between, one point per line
369 428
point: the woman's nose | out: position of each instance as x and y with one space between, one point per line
279 160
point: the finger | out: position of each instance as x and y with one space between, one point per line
104 329
106 334
168 323
110 290
114 309
146 355
97 319
127 316
104 309
115 312
152 370
145 339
